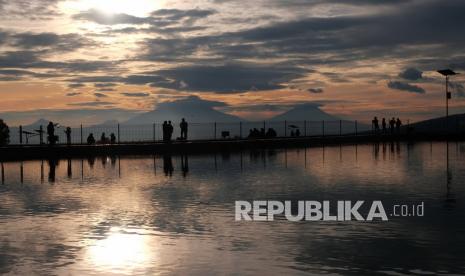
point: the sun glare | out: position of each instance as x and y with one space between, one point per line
132 7
120 251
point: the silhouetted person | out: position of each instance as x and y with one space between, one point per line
297 133
383 123
392 123
170 131
165 131
271 133
262 133
52 139
112 138
4 133
292 133
103 138
68 136
168 165
398 125
375 123
90 139
183 125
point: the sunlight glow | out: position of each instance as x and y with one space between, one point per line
120 251
131 7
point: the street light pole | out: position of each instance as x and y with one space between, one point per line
447 73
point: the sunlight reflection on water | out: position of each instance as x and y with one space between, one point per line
175 214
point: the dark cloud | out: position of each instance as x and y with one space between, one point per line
91 104
316 90
229 78
72 94
398 85
76 85
458 88
104 85
411 74
100 95
106 90
136 94
29 9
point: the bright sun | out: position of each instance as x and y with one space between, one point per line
132 7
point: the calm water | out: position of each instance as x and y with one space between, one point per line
175 215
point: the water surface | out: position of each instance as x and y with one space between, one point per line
175 214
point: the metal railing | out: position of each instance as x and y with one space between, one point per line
129 133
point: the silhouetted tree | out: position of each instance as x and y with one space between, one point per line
4 133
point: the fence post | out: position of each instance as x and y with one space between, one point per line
285 128
215 132
41 135
240 130
154 127
21 135
323 127
305 128
81 135
356 128
340 127
119 140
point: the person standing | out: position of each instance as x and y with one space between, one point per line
4 133
170 131
183 125
165 131
383 124
375 123
392 123
68 136
51 133
398 125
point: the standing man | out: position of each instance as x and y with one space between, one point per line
4 133
170 131
68 136
51 133
165 131
183 125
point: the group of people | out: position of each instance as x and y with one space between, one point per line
255 133
103 139
394 125
168 130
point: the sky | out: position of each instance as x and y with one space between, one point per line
93 60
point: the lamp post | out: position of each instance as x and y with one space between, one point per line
447 73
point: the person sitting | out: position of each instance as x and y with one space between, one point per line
271 133
91 139
103 138
112 138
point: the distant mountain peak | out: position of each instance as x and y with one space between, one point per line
307 111
193 109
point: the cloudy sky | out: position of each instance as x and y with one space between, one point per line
91 60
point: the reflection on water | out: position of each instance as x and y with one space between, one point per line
174 214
